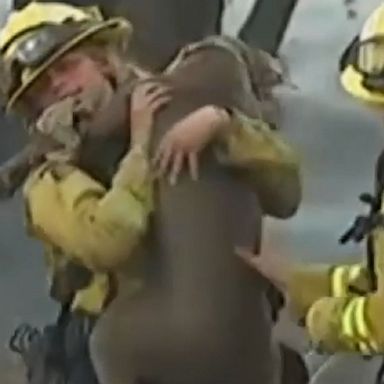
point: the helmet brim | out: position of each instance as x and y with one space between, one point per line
352 82
116 28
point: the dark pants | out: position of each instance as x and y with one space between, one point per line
79 365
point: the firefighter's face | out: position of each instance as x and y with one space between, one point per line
70 75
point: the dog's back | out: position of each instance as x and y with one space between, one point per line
202 316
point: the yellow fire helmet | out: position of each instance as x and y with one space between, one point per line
362 63
34 37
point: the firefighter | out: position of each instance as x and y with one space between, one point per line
342 306
37 56
51 52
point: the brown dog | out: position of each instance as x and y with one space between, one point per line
202 317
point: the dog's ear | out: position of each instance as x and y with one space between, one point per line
265 70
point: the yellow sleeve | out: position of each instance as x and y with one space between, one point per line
99 227
88 292
354 322
93 299
266 161
348 323
307 284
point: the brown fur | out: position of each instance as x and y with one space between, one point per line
202 316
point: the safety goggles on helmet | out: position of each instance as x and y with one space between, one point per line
31 49
367 57
34 47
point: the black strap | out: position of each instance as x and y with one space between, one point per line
379 187
364 225
349 56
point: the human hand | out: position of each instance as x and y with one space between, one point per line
147 98
271 265
184 141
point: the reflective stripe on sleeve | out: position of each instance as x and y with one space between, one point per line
339 279
355 328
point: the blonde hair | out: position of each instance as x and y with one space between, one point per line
114 54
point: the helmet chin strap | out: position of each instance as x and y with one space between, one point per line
140 73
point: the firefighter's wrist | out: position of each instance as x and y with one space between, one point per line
140 139
221 118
